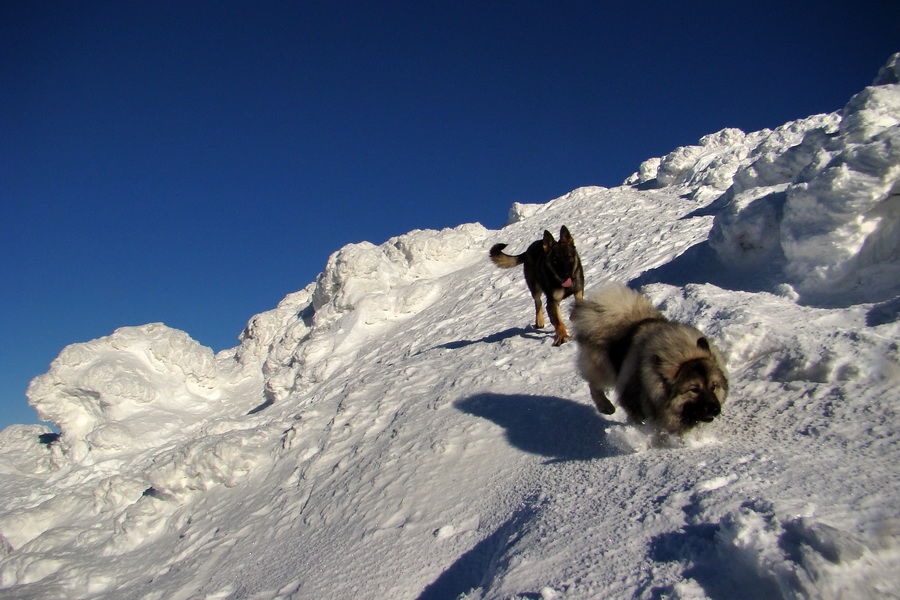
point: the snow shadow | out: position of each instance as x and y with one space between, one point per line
722 575
477 567
708 210
269 402
524 332
48 439
883 313
753 554
559 429
700 264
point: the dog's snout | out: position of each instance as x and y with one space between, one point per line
703 409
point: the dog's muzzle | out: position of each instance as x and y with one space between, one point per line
701 410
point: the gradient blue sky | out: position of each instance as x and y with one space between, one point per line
193 162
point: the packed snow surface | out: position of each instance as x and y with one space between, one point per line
398 430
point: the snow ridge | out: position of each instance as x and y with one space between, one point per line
396 429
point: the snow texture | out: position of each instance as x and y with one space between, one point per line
396 429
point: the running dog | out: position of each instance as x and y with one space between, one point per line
665 373
551 268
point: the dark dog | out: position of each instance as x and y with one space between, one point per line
665 373
551 268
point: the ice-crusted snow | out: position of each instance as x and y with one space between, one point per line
398 430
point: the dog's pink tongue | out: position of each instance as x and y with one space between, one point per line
567 283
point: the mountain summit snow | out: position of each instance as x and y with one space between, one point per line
397 430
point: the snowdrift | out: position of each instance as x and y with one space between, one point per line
396 429
813 204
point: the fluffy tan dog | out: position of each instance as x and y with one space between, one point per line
665 373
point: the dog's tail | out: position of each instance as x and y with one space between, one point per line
503 260
611 309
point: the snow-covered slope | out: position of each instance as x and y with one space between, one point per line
398 430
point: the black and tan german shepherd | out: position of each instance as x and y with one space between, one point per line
551 268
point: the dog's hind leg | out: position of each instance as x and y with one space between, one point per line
535 288
538 310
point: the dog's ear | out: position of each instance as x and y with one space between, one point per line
703 344
565 236
656 363
548 240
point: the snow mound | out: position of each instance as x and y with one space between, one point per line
814 204
131 389
890 72
827 211
710 168
362 289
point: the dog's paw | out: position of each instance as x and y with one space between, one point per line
560 341
607 409
603 404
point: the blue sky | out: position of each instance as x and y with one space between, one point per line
193 162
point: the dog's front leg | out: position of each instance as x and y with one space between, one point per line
556 319
603 404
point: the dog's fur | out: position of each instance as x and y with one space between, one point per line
665 373
551 268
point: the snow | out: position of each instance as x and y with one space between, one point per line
823 212
396 429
